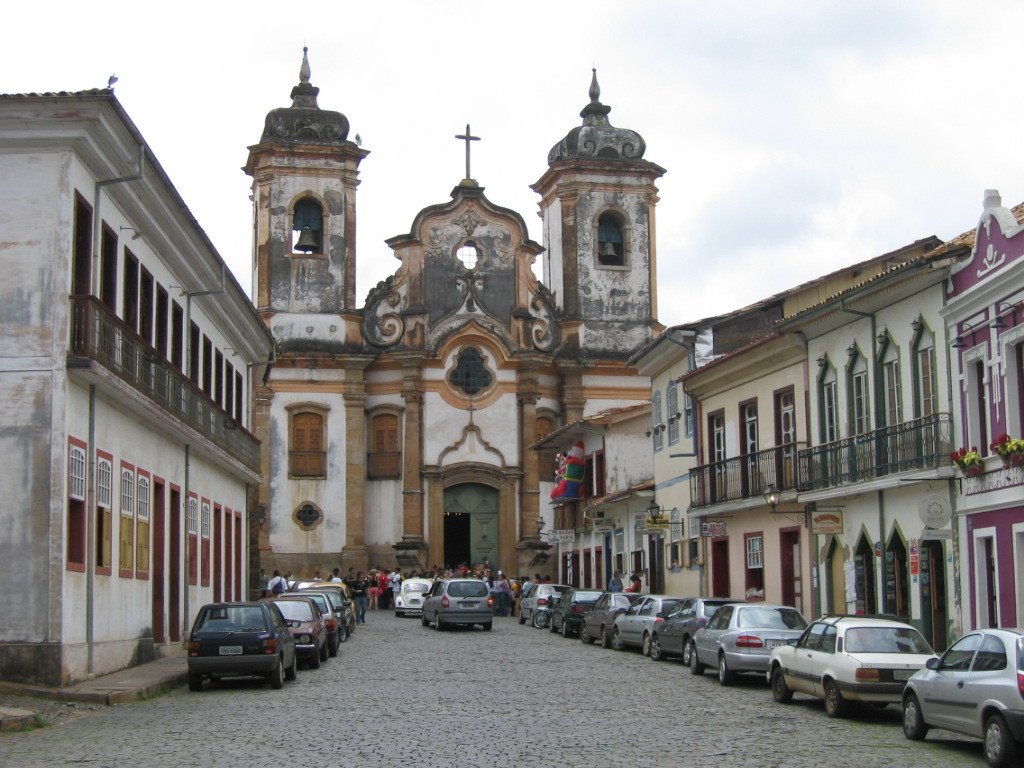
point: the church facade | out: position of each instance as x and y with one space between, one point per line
399 432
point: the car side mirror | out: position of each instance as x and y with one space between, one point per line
932 663
793 641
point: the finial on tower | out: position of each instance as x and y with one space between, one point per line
595 89
304 69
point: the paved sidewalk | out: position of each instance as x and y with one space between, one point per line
132 684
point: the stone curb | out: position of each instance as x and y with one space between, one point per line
12 719
96 693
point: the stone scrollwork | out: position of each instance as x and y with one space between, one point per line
383 325
543 323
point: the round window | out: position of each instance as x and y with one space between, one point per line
308 515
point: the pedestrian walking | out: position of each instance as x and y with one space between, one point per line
374 579
395 581
505 594
277 584
615 583
360 591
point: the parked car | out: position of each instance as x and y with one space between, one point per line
335 617
740 638
633 628
240 639
567 614
339 589
975 688
849 658
536 606
675 634
409 602
303 617
458 601
597 622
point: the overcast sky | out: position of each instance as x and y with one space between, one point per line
798 136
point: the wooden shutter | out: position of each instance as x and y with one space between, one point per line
307 448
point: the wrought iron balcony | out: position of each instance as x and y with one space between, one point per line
744 477
98 334
919 444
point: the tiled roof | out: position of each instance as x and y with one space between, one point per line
735 353
605 416
60 94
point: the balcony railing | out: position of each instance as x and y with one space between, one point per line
744 477
920 444
98 334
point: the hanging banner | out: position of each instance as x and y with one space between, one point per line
567 535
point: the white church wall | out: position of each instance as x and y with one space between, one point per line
382 513
287 494
445 427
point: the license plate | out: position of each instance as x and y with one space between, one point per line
902 674
468 604
231 650
774 644
414 601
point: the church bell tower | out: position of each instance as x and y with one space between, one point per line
597 203
305 174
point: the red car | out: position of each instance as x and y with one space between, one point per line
307 626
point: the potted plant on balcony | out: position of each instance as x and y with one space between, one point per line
1010 450
969 461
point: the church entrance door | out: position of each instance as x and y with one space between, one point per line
470 524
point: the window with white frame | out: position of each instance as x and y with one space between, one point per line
657 426
977 401
755 552
893 391
127 493
76 473
126 538
673 413
205 532
104 483
754 572
142 502
193 516
860 397
689 415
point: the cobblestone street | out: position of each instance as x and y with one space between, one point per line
400 694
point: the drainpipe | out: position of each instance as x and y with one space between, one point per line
90 532
187 499
812 539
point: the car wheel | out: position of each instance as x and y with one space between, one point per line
725 675
781 692
424 620
835 704
914 726
276 676
324 652
539 620
398 615
344 635
487 626
654 649
440 625
695 664
314 661
522 619
645 645
686 651
605 640
617 644
585 636
332 645
565 629
195 681
292 671
1000 748
551 625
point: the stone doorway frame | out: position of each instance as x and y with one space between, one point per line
505 481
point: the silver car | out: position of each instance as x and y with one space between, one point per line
536 606
975 688
740 638
458 601
633 628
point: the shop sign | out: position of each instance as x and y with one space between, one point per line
915 558
935 511
930 534
603 526
830 522
712 529
567 535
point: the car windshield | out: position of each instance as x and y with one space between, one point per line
885 640
415 587
667 606
321 602
231 618
293 610
586 597
467 589
770 618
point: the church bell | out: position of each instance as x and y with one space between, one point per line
308 241
608 249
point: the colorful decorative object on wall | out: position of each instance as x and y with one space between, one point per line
569 474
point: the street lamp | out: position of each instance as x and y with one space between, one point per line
654 512
772 496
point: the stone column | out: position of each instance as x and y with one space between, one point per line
354 554
529 493
570 258
259 496
435 520
507 523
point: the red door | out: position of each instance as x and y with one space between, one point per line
159 562
789 554
174 608
720 568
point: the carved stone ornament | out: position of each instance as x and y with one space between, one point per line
383 325
306 126
545 333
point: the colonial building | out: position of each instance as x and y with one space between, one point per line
399 431
128 352
985 323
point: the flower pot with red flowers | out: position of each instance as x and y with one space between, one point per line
1010 450
968 461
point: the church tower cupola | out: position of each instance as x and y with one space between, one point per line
598 200
305 174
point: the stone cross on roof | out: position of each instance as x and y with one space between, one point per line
468 137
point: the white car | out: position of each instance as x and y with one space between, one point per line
409 601
848 658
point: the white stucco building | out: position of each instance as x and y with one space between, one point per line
126 357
